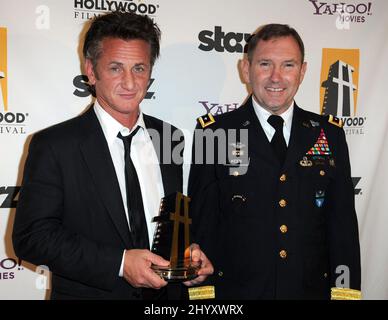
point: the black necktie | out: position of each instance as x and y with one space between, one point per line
278 143
135 207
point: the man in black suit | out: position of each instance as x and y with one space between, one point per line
275 209
93 184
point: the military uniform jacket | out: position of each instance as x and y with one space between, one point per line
272 231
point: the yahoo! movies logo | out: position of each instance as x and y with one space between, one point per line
88 9
355 12
339 87
216 108
10 122
220 41
9 267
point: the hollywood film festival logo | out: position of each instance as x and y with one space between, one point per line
88 9
339 88
10 122
347 13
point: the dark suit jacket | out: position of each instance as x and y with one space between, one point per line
265 248
70 214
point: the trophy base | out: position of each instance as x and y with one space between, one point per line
177 274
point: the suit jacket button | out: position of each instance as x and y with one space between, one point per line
283 177
283 254
282 203
220 273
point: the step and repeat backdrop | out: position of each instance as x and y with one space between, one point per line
42 83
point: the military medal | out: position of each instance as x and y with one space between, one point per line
321 146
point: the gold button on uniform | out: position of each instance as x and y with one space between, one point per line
283 228
322 172
283 177
282 203
283 254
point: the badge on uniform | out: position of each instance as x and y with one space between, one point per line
311 123
238 158
321 146
238 151
305 162
237 145
319 198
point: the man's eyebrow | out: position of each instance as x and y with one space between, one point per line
121 64
116 62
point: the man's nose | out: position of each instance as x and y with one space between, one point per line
276 74
128 81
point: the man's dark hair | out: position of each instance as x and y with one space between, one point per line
273 31
122 25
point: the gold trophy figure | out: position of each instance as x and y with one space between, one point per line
172 239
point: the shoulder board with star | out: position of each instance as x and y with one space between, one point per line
335 121
206 120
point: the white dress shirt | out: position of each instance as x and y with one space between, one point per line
144 159
263 116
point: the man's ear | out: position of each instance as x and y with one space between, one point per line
303 71
89 69
245 70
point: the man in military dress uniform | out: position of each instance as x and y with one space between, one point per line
277 217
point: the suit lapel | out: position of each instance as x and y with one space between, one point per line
302 138
95 151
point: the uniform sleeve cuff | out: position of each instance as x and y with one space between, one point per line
345 294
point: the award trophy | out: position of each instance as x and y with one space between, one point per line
172 239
